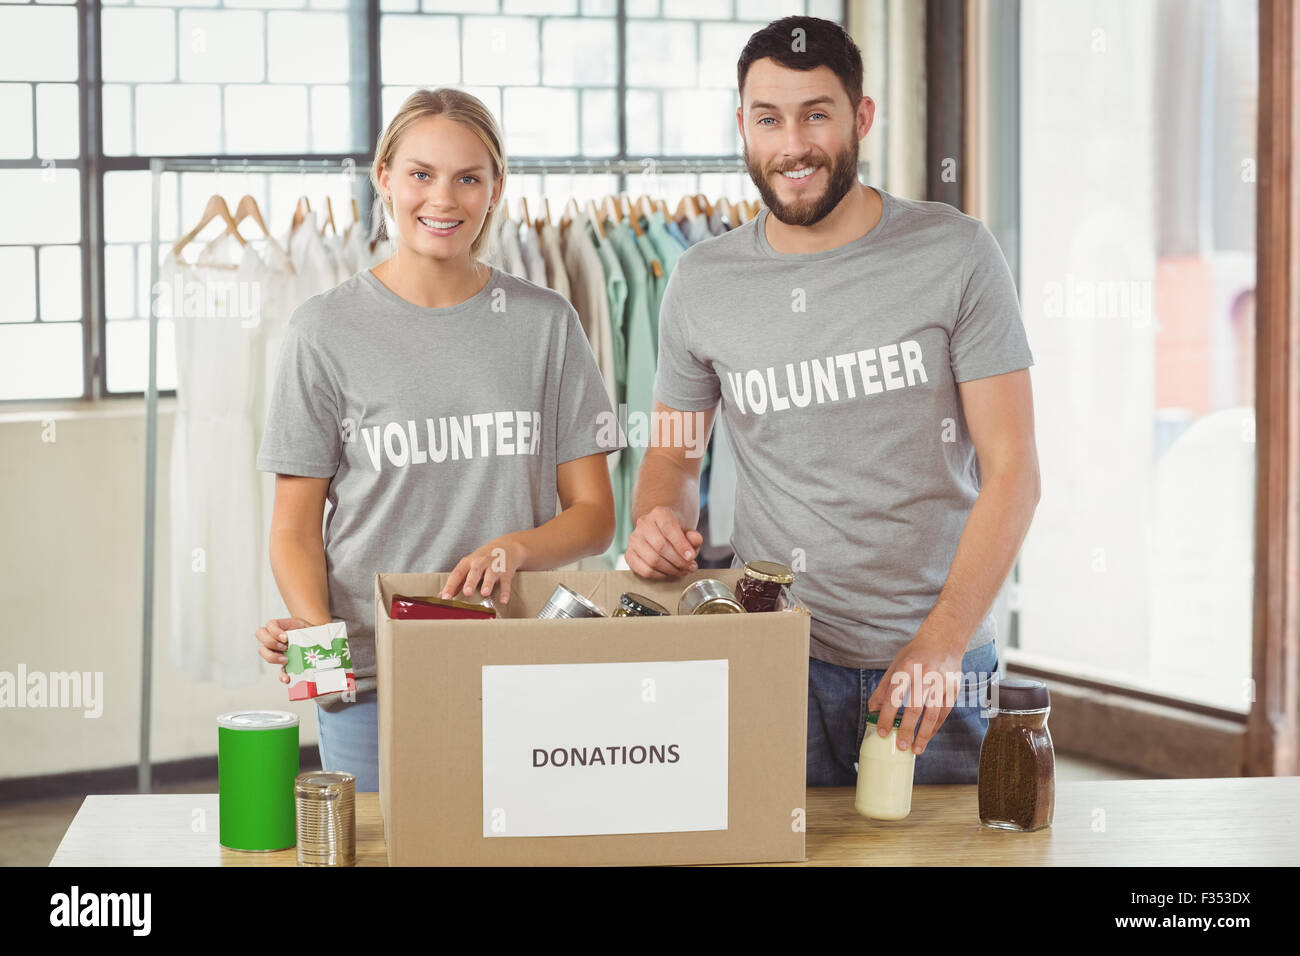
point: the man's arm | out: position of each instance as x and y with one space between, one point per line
666 502
1000 415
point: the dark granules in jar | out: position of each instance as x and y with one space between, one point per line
1016 775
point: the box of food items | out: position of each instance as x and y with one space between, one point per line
597 718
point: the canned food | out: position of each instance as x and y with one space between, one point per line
327 822
638 605
708 596
565 602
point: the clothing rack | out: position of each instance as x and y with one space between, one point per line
650 165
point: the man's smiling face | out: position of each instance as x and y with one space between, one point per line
801 140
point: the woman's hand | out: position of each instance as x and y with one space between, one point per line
494 563
272 643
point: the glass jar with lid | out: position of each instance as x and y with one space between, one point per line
885 774
761 587
1017 775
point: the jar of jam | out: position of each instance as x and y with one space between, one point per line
760 589
1017 776
884 774
638 605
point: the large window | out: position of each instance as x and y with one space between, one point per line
1137 274
312 79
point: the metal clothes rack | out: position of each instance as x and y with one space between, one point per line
650 165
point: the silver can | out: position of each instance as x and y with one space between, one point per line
327 820
708 596
565 602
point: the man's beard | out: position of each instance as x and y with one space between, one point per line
843 176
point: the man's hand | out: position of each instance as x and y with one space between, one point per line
659 547
929 665
272 642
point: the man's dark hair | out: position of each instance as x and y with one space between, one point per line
822 43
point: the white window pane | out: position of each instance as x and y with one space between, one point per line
642 8
501 50
38 44
826 9
419 51
702 121
391 99
221 46
699 9
643 123
599 122
267 4
764 11
399 6
16 121
460 6
40 361
331 119
117 120
720 46
599 8
661 54
539 6
127 198
60 283
126 347
177 119
139 46
176 3
58 135
18 279
579 53
541 122
307 47
40 205
119 282
330 4
269 119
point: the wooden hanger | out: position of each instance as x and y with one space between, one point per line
528 223
609 206
216 207
572 211
686 208
546 204
300 210
247 209
594 215
329 217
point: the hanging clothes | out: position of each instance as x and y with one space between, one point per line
214 496
508 247
718 223
534 264
557 277
696 229
675 231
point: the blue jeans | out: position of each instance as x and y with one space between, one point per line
837 719
348 739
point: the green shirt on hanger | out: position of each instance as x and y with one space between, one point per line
616 292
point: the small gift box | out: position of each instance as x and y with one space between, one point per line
318 661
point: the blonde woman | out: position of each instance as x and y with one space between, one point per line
439 405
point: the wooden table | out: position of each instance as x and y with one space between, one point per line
1236 821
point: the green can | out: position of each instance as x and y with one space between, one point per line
257 762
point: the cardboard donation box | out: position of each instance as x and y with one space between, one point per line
632 740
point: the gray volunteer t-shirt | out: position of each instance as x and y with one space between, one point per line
439 429
838 374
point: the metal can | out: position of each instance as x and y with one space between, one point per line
638 605
565 602
708 596
327 821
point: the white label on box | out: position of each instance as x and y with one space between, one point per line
573 749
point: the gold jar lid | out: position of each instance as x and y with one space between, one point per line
720 605
769 571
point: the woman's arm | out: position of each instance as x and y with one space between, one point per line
584 527
297 550
298 562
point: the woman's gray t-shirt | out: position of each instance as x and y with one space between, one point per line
439 428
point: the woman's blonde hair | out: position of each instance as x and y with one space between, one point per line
456 105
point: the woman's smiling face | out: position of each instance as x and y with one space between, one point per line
441 185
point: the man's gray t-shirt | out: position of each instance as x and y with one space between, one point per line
838 374
439 429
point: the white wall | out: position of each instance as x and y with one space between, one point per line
70 590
